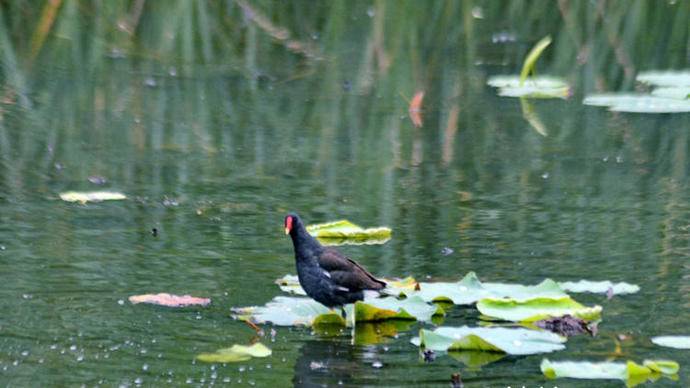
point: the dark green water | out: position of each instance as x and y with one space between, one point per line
213 154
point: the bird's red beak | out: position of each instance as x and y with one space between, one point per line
288 224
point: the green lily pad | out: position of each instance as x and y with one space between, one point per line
290 284
515 341
533 87
291 311
345 232
395 287
673 341
535 309
284 311
677 92
470 289
665 78
601 287
236 353
630 372
91 196
475 359
638 103
379 309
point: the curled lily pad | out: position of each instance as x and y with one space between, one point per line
601 287
236 353
379 309
630 372
673 341
638 103
285 311
345 232
515 341
470 289
169 300
665 78
535 309
533 87
91 196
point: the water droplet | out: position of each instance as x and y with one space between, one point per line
241 369
226 379
120 302
80 358
268 366
73 347
371 12
189 380
545 175
377 364
53 346
214 375
138 381
25 353
145 367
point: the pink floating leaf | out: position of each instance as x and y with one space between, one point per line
169 300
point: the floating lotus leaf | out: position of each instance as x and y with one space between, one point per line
533 87
638 103
665 78
630 372
290 284
469 290
291 311
345 232
91 196
535 309
379 309
515 341
601 287
673 341
236 353
475 359
677 92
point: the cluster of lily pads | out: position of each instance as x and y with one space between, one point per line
525 307
670 93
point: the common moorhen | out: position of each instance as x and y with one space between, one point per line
326 275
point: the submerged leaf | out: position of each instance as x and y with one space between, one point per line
638 103
344 231
630 372
601 287
532 56
665 78
469 290
535 309
515 341
91 196
169 300
673 341
236 353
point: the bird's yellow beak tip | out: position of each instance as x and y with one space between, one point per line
287 230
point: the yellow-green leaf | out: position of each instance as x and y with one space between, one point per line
531 59
345 232
236 353
535 309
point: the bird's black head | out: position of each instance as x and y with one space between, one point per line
292 223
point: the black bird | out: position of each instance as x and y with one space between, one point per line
326 275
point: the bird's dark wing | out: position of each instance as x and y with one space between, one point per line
347 273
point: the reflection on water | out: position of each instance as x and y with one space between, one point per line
215 128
